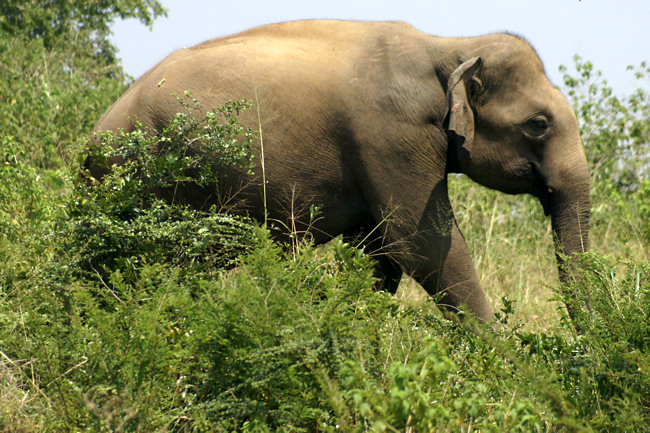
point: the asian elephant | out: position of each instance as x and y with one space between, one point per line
366 120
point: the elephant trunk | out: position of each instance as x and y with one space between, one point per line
570 224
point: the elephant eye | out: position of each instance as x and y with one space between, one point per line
536 127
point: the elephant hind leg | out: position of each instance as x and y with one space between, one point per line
387 272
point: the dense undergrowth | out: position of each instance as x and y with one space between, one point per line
123 312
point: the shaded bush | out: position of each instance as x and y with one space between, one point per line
122 222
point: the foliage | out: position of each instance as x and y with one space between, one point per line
604 370
19 205
122 267
81 23
122 222
191 149
50 98
614 130
301 343
59 70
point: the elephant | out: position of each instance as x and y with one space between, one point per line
366 120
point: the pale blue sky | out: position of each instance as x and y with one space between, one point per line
610 33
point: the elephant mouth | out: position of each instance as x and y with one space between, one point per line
541 190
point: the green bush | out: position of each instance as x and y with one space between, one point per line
614 129
122 221
76 23
603 370
23 204
50 98
124 273
301 343
59 71
163 347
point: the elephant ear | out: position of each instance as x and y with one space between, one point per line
460 117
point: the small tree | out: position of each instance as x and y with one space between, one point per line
59 70
74 22
615 130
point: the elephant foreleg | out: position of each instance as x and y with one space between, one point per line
457 281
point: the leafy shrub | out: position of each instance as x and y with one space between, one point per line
49 98
18 205
29 209
164 347
122 221
74 22
603 370
614 130
122 274
192 149
278 332
301 343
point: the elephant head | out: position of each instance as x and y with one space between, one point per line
510 129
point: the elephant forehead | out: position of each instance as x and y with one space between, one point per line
509 62
515 100
513 52
514 108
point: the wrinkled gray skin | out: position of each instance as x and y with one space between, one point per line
366 120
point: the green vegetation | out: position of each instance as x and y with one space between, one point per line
123 312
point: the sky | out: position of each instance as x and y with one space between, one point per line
612 34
